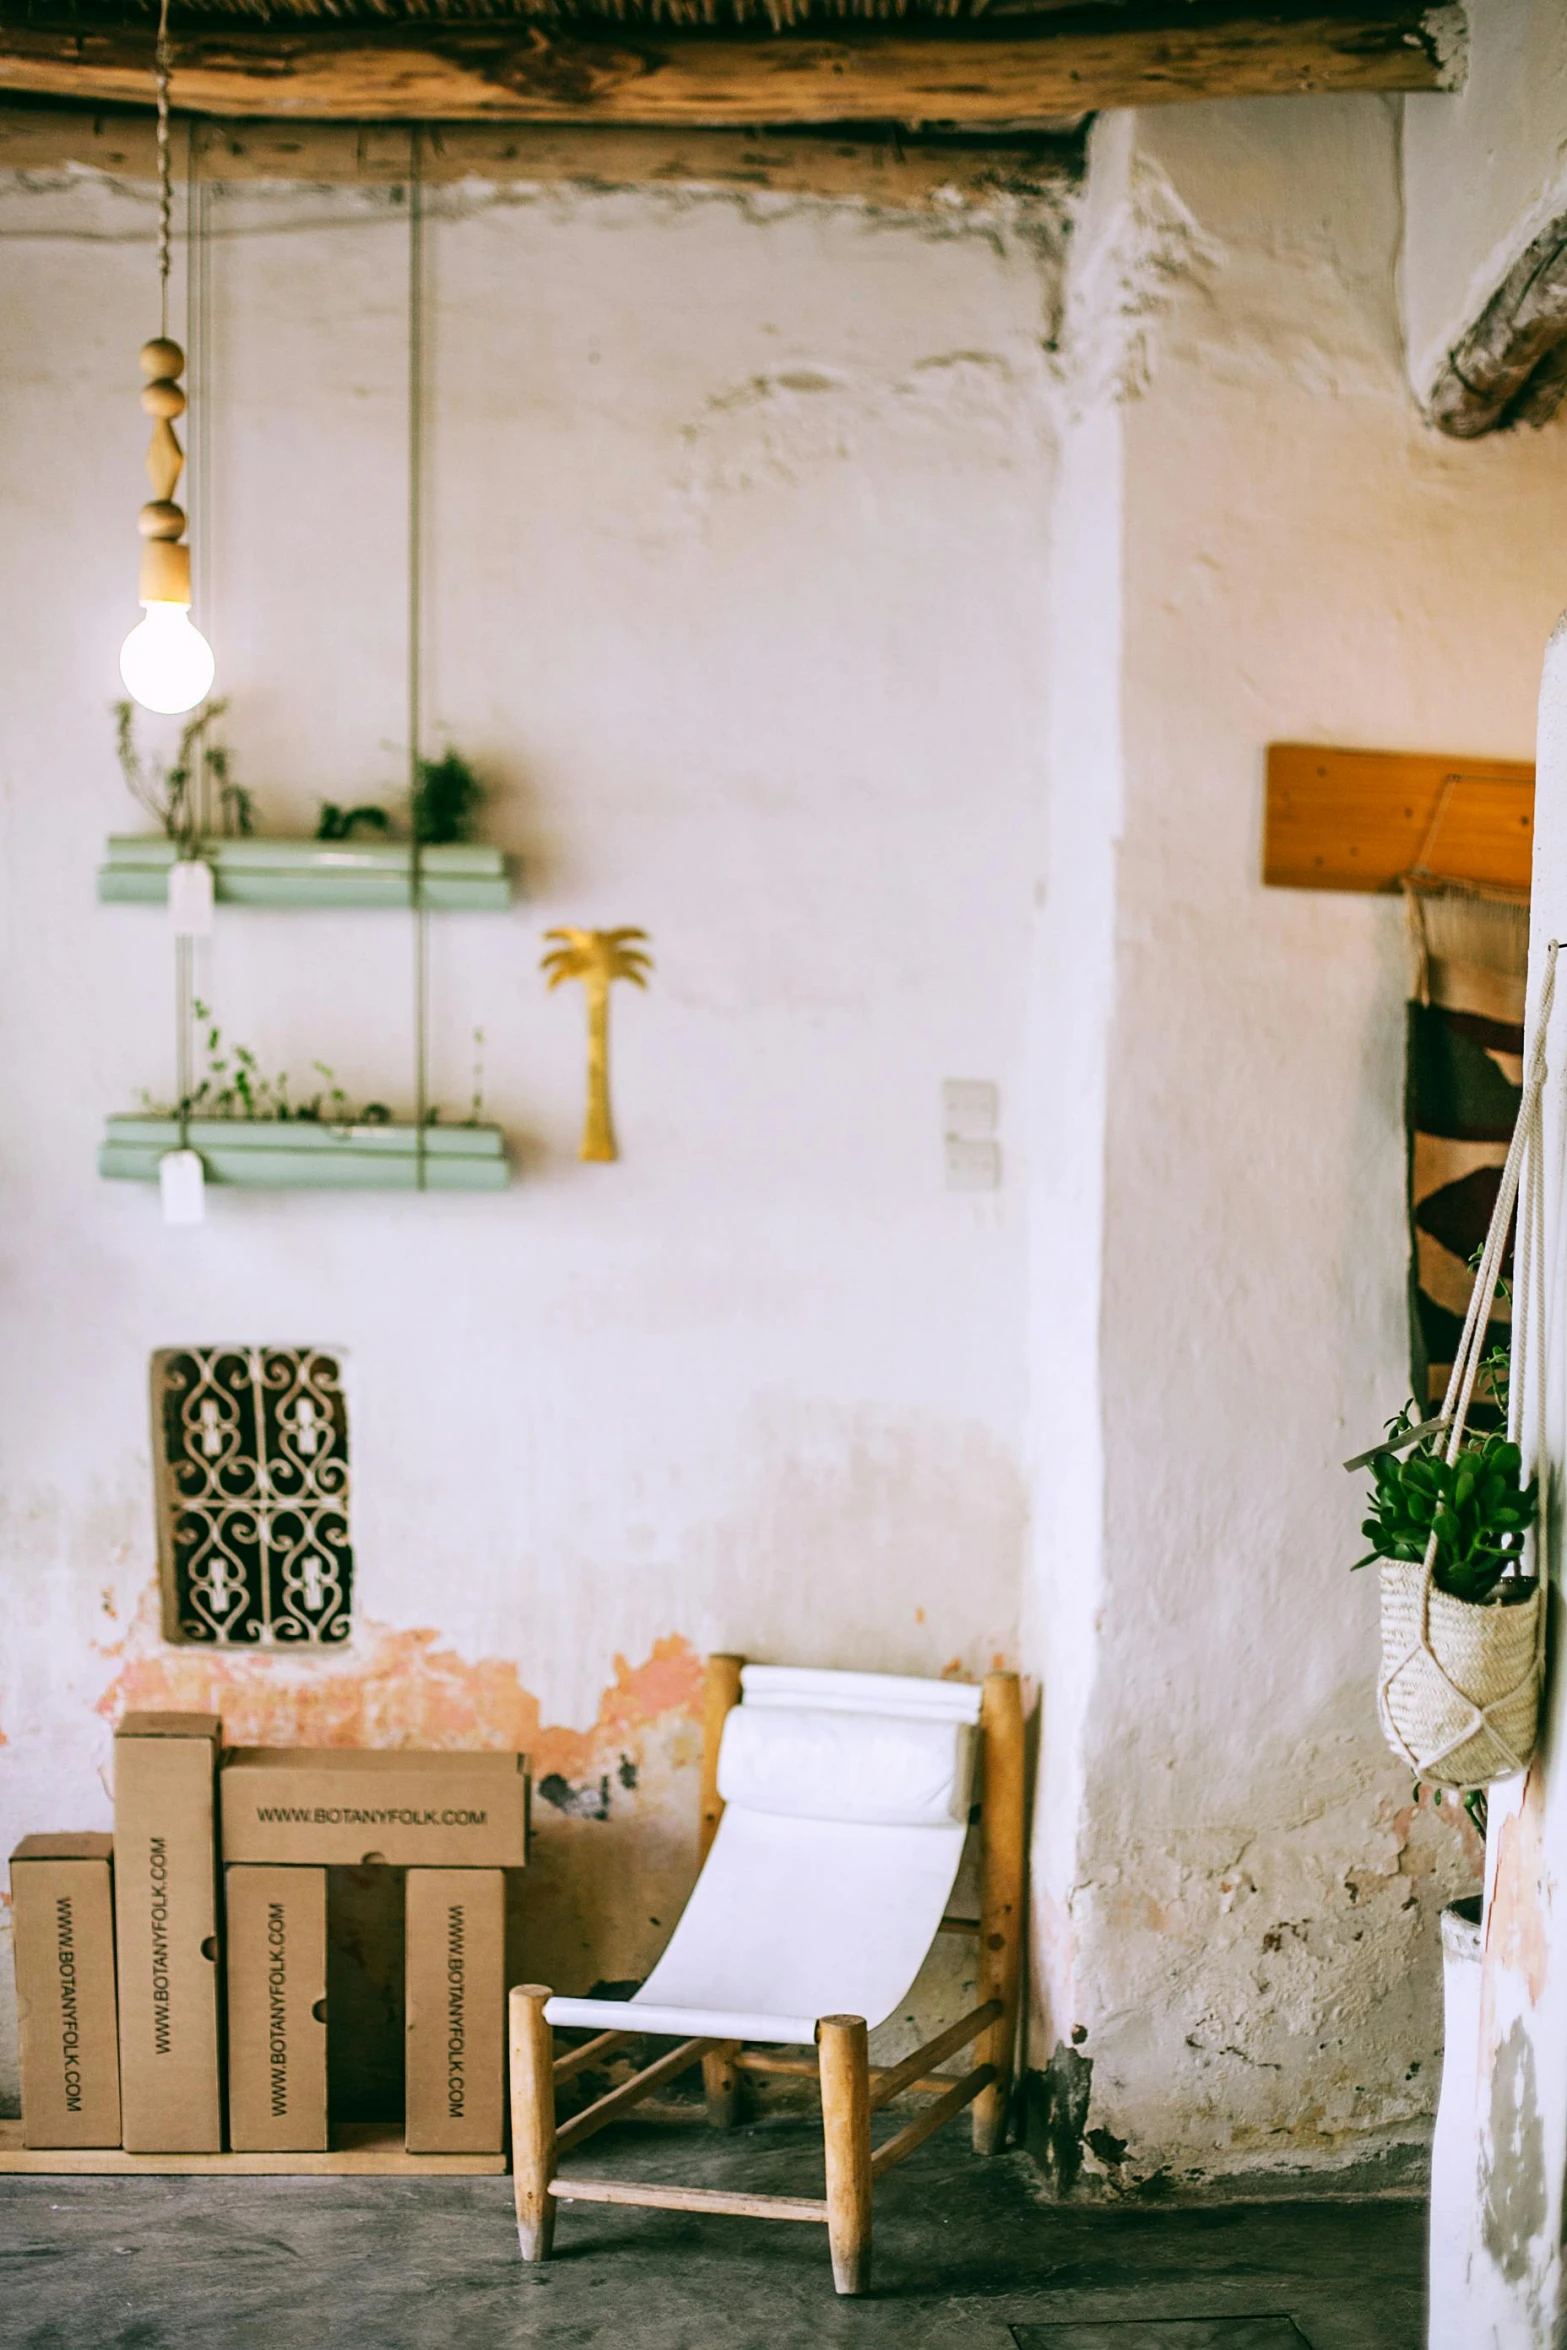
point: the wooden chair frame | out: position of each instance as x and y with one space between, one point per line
851 2088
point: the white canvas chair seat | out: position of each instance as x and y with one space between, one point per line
834 1812
846 1802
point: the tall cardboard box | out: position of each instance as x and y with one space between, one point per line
352 1807
62 1899
456 1988
166 1932
274 1924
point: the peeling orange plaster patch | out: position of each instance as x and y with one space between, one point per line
400 1689
1515 1923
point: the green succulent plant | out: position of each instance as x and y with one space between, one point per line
446 800
1477 1505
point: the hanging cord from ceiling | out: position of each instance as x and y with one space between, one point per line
198 446
161 62
416 640
184 945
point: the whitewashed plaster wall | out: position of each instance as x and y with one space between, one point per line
1235 1896
1484 172
736 574
1507 2286
757 588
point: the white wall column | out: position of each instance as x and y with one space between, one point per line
1516 2297
1256 539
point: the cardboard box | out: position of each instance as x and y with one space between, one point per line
62 1900
166 1932
275 1929
344 1808
456 2027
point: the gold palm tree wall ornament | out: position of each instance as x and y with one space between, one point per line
597 958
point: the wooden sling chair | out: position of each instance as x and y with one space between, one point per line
834 1811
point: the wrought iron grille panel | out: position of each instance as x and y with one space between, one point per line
252 1451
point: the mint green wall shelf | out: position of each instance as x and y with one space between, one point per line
298 1155
460 877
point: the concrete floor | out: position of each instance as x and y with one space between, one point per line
965 2251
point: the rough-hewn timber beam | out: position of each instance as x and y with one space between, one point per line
944 175
993 70
1511 367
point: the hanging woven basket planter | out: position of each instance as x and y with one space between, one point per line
1458 1693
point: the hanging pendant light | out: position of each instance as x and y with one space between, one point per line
166 662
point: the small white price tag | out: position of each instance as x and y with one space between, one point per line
182 1182
190 898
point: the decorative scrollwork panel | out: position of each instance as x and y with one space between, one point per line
252 1446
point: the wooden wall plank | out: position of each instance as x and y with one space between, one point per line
1360 819
1016 71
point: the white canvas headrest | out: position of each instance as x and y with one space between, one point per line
860 1693
818 1763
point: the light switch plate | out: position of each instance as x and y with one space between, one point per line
972 1166
969 1107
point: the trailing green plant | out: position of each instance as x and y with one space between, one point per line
236 807
337 823
446 800
1477 1505
233 1085
1472 1800
174 796
476 1104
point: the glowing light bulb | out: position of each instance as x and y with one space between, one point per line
167 663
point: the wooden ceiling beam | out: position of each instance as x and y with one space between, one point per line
994 71
951 175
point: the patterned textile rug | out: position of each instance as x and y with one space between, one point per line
1463 1085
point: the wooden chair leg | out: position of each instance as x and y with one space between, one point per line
721 2087
846 2126
532 2119
1002 1808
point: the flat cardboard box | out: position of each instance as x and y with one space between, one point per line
62 1901
166 1932
341 1807
456 2014
274 1923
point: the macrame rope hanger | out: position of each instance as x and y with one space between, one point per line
1522 1182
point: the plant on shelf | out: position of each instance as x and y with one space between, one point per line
446 800
201 773
234 1086
184 797
335 823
